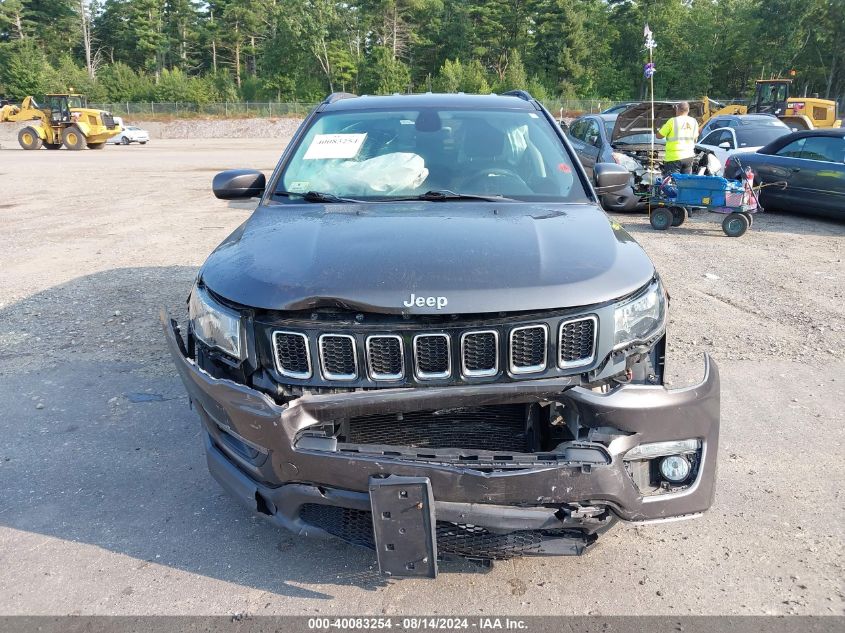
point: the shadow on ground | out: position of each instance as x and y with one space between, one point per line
100 446
705 223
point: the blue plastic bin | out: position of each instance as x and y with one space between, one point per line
703 191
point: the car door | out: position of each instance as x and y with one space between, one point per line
818 176
721 142
587 144
813 168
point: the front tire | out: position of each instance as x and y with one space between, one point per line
73 138
679 215
661 219
29 139
735 225
125 141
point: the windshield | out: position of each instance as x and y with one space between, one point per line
383 155
75 101
759 136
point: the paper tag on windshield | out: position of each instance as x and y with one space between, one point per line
335 146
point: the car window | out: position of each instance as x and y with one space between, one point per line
793 149
592 134
608 128
380 154
826 148
578 129
758 136
717 137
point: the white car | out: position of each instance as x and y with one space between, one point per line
727 135
129 135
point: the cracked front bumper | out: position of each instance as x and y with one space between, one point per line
279 479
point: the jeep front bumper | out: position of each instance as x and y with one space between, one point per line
556 503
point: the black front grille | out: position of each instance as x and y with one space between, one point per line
108 119
528 348
494 428
384 357
577 339
337 355
480 353
456 539
292 355
431 354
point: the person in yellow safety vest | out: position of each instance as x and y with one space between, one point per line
680 133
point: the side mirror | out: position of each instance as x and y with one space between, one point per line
725 145
610 177
563 126
238 183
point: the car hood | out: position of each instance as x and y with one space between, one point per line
481 257
637 118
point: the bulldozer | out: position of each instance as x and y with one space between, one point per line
63 120
771 96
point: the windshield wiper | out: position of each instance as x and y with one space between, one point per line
443 195
315 196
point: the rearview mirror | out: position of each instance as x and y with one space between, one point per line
610 177
238 183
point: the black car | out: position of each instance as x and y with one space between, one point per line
428 339
804 172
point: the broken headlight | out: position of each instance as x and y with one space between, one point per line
215 325
640 318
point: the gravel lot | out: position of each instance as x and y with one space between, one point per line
107 507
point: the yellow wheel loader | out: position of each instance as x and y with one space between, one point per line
771 96
64 120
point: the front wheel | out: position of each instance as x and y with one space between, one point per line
29 139
661 219
125 141
735 225
73 138
679 215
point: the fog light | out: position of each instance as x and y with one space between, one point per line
675 468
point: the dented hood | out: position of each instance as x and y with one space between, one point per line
637 118
481 257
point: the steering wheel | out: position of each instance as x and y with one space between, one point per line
503 180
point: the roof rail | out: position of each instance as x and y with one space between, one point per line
522 94
337 96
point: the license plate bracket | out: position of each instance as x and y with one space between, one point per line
404 526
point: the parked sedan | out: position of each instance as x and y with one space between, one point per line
812 165
727 135
129 135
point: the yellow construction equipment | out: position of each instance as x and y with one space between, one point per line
64 120
771 96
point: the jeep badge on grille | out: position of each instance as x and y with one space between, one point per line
422 302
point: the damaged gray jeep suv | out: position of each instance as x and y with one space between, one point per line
429 340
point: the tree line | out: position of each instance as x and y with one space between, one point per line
299 50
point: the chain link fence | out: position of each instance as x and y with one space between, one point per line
179 109
245 109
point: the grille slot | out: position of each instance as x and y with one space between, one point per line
577 342
432 356
480 353
293 358
494 428
528 349
338 356
385 357
456 539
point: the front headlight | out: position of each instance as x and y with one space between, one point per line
640 318
215 325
